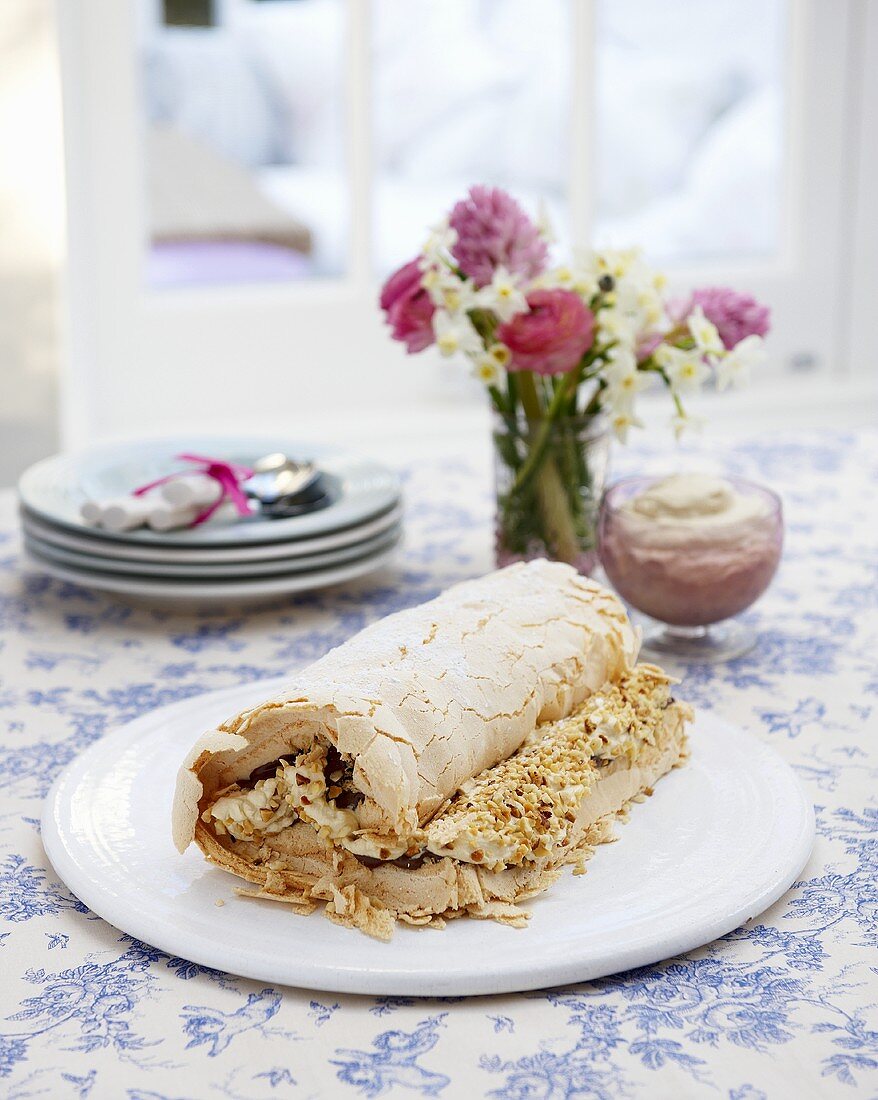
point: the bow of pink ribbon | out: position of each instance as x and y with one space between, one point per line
228 475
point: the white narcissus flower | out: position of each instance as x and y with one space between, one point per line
460 296
490 365
688 374
664 355
704 333
617 262
627 299
636 306
502 296
622 422
627 267
584 274
617 402
447 290
734 368
653 310
620 360
441 241
434 279
562 276
686 370
575 278
615 327
455 333
488 370
501 355
624 382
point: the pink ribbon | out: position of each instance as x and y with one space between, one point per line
228 476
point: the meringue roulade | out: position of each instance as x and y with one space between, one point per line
448 760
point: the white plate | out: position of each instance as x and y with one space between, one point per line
184 571
721 839
55 488
218 592
110 548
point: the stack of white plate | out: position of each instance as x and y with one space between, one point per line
217 561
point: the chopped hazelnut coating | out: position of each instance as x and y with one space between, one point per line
525 807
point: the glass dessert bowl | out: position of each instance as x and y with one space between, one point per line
691 551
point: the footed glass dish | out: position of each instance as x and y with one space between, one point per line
692 573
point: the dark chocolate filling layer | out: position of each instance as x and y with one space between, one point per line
408 863
264 771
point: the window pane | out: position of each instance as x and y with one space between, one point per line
690 136
244 116
466 91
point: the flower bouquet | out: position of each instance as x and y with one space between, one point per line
563 350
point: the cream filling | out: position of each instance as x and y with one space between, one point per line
299 792
260 811
611 738
496 856
305 783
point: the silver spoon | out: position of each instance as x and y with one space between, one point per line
284 486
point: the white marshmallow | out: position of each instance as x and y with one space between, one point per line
125 514
191 490
91 512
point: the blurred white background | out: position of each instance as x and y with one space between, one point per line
31 233
241 173
689 114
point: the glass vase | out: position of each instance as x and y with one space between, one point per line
549 477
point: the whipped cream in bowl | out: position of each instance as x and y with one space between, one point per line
691 550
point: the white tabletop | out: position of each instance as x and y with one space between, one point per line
783 1007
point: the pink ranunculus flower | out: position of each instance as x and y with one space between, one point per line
735 315
553 336
493 231
408 308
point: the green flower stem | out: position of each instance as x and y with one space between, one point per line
512 390
553 501
531 403
506 442
566 388
498 402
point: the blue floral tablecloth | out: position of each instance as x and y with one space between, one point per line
784 1007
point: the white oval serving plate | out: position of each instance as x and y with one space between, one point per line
721 840
55 488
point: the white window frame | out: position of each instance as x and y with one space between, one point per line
285 356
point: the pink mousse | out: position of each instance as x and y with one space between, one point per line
691 549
